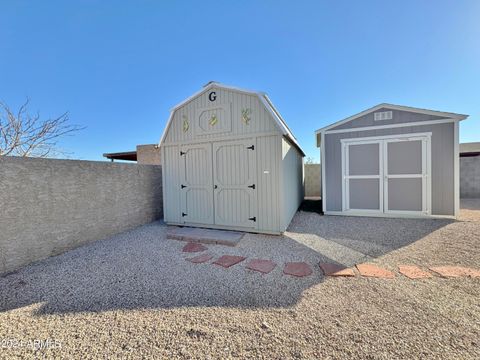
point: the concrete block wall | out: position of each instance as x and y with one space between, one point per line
313 181
148 154
470 177
49 206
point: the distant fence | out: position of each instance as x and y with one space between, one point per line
313 181
49 206
470 177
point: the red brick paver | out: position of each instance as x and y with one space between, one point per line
298 269
336 270
263 266
228 260
455 271
370 270
200 258
194 247
413 272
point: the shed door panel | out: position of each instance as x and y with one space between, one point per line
235 183
363 185
405 175
197 187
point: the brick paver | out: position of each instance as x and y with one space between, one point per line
413 272
260 265
299 269
194 247
200 258
228 260
455 271
370 270
336 270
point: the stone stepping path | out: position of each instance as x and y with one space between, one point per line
336 270
370 270
413 272
228 260
260 265
302 269
194 247
200 259
298 269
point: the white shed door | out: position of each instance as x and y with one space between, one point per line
235 183
196 187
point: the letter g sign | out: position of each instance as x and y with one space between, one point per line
212 96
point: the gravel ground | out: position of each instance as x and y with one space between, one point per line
134 295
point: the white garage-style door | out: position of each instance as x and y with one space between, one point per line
219 183
389 175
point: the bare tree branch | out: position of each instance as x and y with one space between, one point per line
22 134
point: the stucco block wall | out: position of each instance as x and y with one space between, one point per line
313 180
470 177
148 154
49 206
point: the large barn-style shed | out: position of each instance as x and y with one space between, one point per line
391 160
230 162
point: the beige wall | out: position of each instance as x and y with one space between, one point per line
148 154
313 182
50 206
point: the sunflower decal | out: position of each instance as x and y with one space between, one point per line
186 125
246 115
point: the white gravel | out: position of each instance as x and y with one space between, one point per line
134 295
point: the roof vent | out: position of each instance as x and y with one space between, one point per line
210 82
383 115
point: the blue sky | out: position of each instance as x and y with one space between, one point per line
119 66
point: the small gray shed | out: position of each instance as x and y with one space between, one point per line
391 160
230 162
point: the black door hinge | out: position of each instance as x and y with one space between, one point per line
182 153
254 219
251 147
252 186
183 186
183 214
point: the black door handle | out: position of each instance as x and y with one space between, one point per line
183 214
254 219
215 187
252 186
251 147
183 186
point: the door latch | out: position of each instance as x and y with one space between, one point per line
254 219
182 153
215 187
251 147
183 186
183 214
252 186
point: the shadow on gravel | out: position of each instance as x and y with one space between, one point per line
141 269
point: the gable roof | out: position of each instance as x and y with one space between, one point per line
280 122
445 115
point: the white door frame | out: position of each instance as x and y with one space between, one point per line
346 176
383 186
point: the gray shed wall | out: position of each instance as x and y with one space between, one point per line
470 177
442 164
398 117
50 206
292 182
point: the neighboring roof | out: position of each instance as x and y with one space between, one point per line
469 149
454 116
261 96
126 155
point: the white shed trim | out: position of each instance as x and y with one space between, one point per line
261 96
448 115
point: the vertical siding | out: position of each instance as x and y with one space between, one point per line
261 121
171 181
268 193
292 182
442 164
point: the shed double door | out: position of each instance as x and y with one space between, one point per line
389 175
219 183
